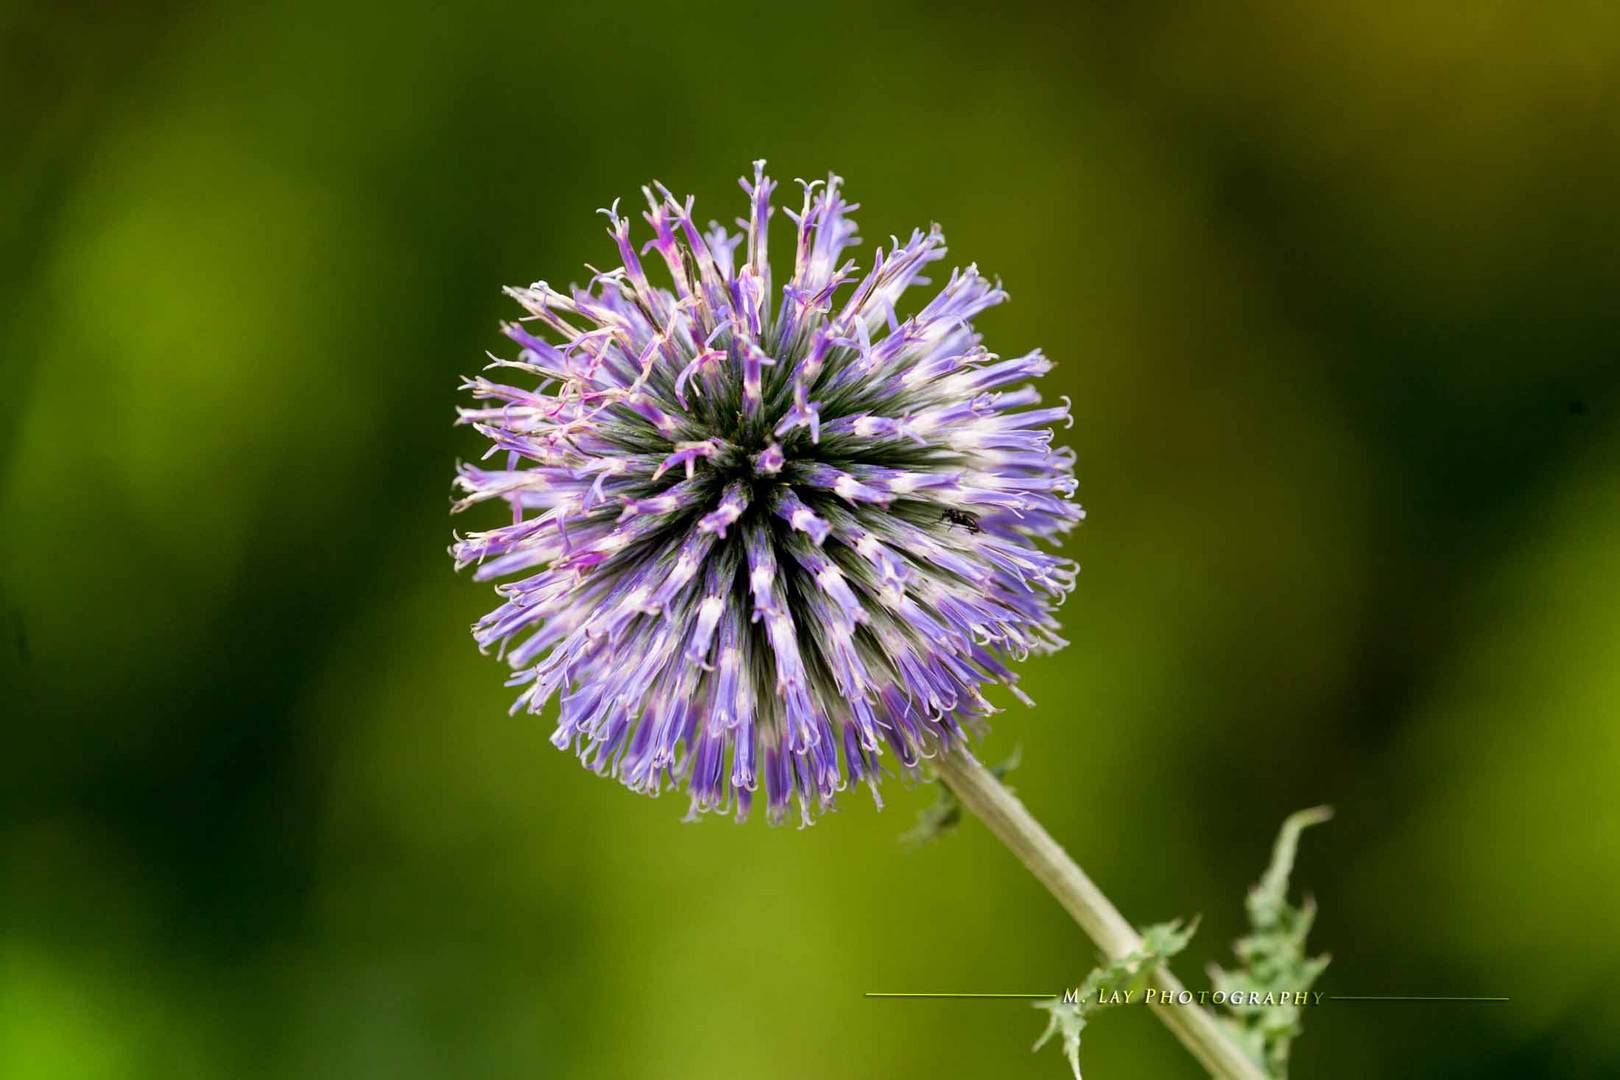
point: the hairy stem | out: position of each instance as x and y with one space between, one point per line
1013 825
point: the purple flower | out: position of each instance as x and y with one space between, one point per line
759 533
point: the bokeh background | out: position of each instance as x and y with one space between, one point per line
1333 288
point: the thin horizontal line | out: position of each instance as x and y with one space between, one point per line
1409 997
1330 997
875 994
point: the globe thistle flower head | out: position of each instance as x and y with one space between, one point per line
762 534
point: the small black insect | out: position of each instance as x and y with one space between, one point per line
968 521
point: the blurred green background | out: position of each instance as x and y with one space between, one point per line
1334 292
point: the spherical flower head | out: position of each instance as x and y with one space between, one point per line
759 534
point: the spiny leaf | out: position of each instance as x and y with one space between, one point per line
1126 974
1273 956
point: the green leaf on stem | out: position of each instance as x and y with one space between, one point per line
1273 957
1113 981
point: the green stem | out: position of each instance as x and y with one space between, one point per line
1013 825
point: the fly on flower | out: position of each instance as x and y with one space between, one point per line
731 554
